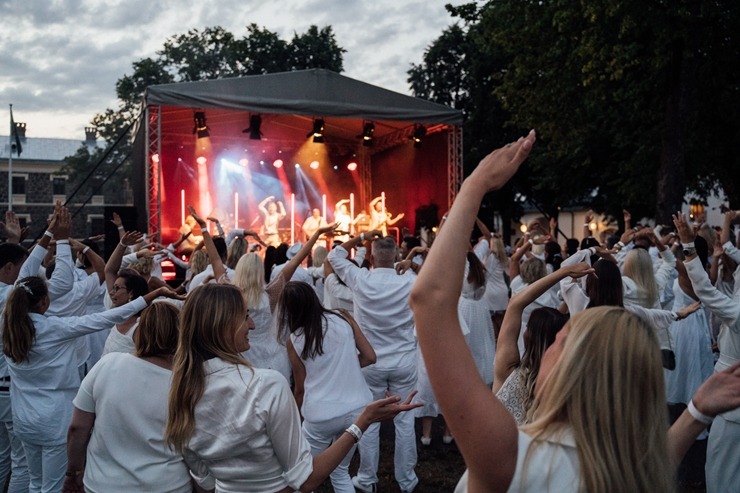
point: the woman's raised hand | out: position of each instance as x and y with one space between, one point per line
685 231
499 166
197 218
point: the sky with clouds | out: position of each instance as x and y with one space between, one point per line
61 58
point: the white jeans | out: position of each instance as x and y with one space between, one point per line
46 467
12 457
723 456
320 434
399 381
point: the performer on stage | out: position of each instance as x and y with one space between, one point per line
380 218
314 222
271 217
343 220
196 235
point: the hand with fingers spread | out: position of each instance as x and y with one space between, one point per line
131 238
719 393
197 218
12 227
62 222
116 220
388 408
688 310
685 231
327 229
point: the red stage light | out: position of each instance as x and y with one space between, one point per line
201 160
352 166
314 165
278 163
155 158
244 162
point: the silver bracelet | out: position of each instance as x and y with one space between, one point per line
688 245
85 250
698 415
355 432
49 234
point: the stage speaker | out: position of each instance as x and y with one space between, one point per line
128 215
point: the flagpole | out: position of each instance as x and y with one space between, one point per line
10 160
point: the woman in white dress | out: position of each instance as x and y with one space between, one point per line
475 316
601 420
327 350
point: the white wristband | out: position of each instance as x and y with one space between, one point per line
586 225
688 245
49 234
362 236
85 250
531 242
120 227
698 415
355 432
63 242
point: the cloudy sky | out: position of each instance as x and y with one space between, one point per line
60 59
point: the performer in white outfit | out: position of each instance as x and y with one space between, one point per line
272 213
326 352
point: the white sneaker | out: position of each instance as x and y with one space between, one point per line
447 439
426 441
372 488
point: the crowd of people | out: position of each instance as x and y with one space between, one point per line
554 367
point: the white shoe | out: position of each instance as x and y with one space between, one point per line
447 439
373 488
426 441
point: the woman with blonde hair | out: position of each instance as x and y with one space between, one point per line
642 284
238 427
600 424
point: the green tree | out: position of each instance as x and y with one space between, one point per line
210 53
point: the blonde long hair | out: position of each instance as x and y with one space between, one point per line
608 389
638 266
208 322
249 277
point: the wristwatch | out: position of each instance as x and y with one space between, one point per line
688 252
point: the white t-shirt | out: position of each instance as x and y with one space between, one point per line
120 343
551 467
334 384
127 451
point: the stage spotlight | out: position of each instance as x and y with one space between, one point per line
199 124
155 158
201 160
314 165
420 132
318 131
278 163
352 166
336 167
255 122
368 132
244 163
297 165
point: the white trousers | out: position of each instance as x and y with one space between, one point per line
12 456
46 467
398 381
321 434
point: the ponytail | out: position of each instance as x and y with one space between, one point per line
19 334
477 272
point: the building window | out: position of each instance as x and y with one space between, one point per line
58 186
19 185
97 224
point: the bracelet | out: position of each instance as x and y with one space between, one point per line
586 225
620 244
120 243
530 241
63 242
355 432
362 236
120 228
72 474
85 250
698 415
49 234
688 245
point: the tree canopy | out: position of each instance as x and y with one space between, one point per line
634 102
211 53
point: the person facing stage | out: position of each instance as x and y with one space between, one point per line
313 223
380 218
271 217
343 221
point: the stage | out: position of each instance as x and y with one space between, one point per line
193 147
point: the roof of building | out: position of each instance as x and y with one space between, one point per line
41 149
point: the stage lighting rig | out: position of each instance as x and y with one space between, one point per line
200 128
368 133
255 123
420 132
318 131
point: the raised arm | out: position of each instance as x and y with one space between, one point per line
391 222
292 264
97 262
507 349
114 261
281 209
516 257
262 205
218 266
116 220
484 430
